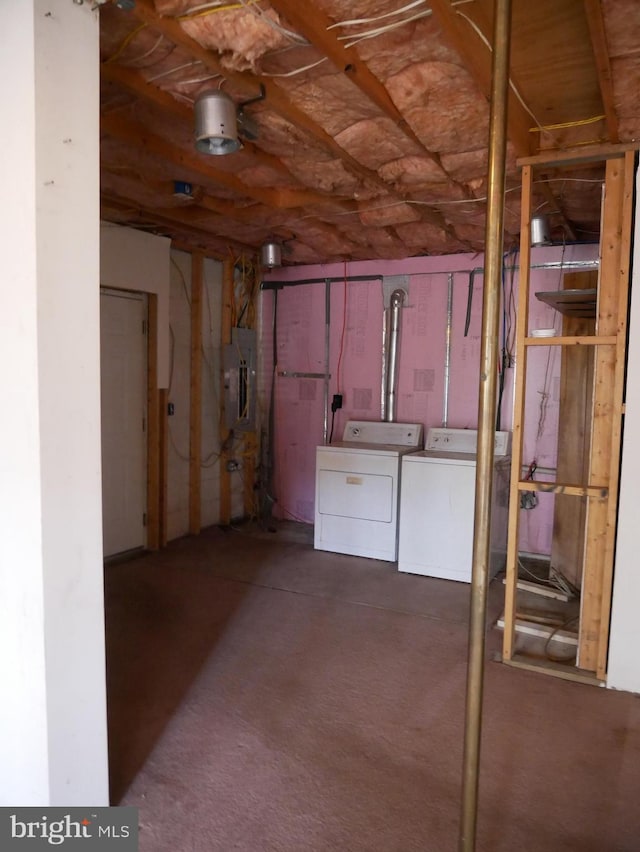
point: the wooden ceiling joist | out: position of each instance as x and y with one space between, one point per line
315 27
477 59
593 11
275 97
155 146
556 208
136 84
174 222
574 156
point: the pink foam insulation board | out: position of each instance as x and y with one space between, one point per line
355 364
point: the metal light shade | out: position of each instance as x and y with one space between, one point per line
540 235
271 255
216 127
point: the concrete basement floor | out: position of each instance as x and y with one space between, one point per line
265 696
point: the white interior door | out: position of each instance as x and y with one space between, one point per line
124 393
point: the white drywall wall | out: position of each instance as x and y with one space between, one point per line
23 722
135 260
624 642
53 738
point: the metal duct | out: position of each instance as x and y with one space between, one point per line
390 370
447 352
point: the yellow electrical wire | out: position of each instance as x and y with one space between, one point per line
580 123
215 9
126 41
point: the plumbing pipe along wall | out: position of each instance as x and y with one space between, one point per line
391 351
300 353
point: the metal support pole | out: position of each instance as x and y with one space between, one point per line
486 422
447 352
327 346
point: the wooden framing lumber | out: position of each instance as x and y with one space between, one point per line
163 453
195 395
586 154
593 11
477 59
623 271
134 133
225 434
316 28
603 414
276 98
154 452
518 420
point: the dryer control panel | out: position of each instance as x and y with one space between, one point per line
464 441
381 432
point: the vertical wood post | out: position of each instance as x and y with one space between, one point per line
518 418
153 427
195 399
225 434
163 454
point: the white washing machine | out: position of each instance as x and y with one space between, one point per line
358 488
437 503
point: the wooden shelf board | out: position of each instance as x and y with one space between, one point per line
561 670
571 303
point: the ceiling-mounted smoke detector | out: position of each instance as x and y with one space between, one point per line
271 255
216 124
540 234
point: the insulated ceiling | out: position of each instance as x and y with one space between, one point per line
372 133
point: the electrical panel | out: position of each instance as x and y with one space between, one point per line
240 380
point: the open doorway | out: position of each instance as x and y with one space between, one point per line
123 354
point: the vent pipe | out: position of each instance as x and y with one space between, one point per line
390 368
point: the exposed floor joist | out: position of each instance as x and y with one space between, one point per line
593 10
477 58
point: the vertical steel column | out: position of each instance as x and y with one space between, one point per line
486 422
327 342
447 352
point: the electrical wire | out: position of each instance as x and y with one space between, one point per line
124 43
566 124
529 499
358 37
512 85
355 22
551 352
147 53
258 13
197 80
170 71
552 657
296 70
211 8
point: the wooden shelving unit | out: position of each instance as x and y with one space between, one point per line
600 490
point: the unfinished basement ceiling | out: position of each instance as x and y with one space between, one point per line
372 134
